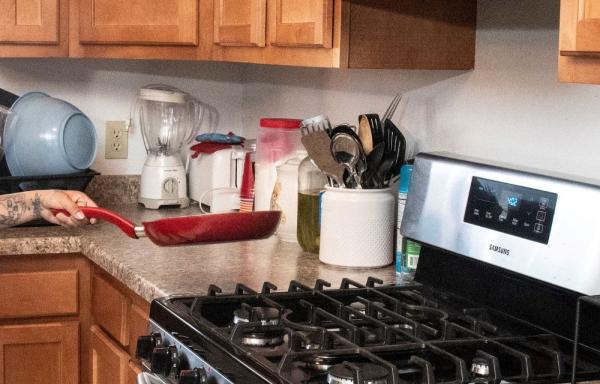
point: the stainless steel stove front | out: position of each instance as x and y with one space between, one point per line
187 357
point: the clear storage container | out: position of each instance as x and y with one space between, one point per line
277 142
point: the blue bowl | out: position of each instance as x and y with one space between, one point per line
50 137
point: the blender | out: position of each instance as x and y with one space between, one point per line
168 119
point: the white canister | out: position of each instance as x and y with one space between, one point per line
357 227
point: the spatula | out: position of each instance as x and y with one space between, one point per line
318 144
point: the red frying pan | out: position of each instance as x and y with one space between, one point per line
211 228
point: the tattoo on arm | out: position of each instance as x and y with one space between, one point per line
36 206
13 209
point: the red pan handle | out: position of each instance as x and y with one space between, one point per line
124 224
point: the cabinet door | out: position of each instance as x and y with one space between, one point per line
109 361
150 22
580 27
133 370
301 23
39 353
29 21
240 22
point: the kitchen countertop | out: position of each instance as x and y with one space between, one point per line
153 271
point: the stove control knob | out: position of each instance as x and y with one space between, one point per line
161 361
145 345
193 376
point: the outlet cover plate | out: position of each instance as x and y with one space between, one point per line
116 140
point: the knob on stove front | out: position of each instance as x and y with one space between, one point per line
163 360
146 344
193 376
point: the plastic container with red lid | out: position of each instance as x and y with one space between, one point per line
277 141
280 123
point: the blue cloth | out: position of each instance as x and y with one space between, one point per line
220 138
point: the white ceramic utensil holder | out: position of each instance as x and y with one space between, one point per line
357 227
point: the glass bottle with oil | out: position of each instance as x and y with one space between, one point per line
311 184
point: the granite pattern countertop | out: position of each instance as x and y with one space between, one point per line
153 271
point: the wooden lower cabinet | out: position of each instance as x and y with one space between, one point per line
52 332
119 317
39 353
132 371
110 363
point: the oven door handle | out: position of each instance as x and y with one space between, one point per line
149 378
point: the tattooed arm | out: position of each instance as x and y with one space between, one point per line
19 208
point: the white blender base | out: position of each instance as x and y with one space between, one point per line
163 182
156 204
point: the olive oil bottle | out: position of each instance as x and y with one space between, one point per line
311 183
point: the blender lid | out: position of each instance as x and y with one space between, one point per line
162 93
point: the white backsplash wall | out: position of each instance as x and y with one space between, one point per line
104 90
509 108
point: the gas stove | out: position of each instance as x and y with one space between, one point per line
467 318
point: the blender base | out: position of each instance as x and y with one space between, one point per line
183 202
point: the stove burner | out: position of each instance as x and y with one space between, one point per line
345 373
271 338
266 315
403 327
480 367
322 362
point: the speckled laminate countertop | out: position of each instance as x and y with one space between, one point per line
153 271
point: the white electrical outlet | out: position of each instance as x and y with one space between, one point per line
116 140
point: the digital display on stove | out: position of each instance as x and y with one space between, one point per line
512 209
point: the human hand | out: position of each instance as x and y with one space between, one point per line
46 200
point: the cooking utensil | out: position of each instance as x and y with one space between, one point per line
365 135
381 176
373 161
397 147
318 146
392 108
376 127
317 123
347 128
210 228
348 151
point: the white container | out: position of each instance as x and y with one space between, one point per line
285 197
357 227
277 142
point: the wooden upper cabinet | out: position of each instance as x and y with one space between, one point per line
29 21
33 28
579 41
240 22
390 34
149 22
580 27
301 23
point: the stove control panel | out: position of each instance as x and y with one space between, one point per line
511 209
169 358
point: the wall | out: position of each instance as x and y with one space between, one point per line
509 108
105 89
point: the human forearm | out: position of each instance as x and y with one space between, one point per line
19 208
